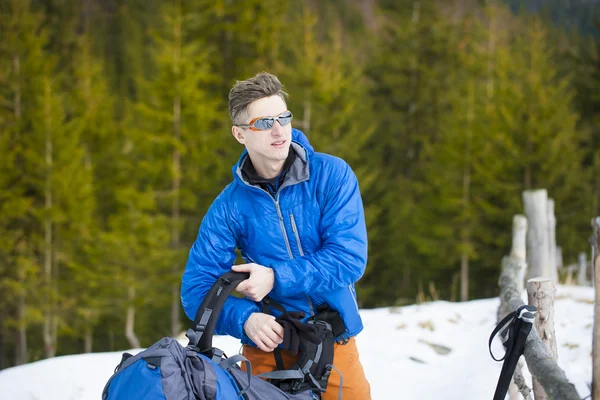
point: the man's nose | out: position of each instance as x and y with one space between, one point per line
277 129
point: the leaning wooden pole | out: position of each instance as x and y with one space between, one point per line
540 363
595 241
517 272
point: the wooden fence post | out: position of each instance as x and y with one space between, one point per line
538 244
540 293
540 363
595 241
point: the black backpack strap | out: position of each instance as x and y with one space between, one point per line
513 329
268 304
201 333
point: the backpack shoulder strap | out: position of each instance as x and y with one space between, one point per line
201 333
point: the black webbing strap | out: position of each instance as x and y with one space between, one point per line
206 317
267 304
513 329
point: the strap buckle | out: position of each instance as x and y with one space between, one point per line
217 355
296 386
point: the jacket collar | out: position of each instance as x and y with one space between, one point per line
298 170
252 177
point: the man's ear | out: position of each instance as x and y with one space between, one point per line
238 134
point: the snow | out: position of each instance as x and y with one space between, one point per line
397 349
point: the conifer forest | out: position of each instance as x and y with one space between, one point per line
115 138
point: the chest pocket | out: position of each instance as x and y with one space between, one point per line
306 227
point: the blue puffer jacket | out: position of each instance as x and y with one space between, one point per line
312 234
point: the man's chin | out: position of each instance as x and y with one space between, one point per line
281 154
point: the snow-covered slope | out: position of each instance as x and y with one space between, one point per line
437 350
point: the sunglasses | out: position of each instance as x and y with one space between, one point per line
266 123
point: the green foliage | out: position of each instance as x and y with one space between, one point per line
409 71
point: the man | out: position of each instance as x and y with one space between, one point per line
297 218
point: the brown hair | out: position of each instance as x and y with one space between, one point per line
245 92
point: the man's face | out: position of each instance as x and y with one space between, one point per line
270 145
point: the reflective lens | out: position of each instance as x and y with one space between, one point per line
266 123
285 118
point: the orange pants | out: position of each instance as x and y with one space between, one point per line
345 359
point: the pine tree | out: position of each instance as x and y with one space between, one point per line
537 127
91 121
409 71
182 136
23 60
449 225
56 185
583 57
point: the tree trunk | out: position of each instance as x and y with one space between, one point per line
540 293
130 320
2 338
88 332
466 198
21 350
49 333
88 340
17 71
491 49
21 353
464 277
176 184
536 203
595 240
306 120
528 178
414 77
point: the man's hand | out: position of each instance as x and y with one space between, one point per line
264 331
260 282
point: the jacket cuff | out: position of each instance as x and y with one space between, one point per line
285 281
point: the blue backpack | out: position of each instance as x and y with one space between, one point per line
169 371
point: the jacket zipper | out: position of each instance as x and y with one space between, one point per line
285 237
287 242
295 229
